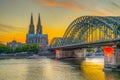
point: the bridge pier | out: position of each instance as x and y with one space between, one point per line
80 53
75 53
112 59
64 53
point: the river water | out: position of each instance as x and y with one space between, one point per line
48 69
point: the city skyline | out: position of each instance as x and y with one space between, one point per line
56 15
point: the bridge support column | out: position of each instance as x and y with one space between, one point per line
57 53
64 54
80 53
112 59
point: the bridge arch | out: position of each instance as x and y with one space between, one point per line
56 42
88 29
81 30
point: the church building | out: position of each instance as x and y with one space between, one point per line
38 37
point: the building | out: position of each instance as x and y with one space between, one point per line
38 37
14 44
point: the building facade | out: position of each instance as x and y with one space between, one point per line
14 44
38 37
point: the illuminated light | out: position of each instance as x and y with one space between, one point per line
55 60
108 50
57 51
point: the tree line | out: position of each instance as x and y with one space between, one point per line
34 48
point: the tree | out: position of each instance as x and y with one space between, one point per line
35 48
28 48
19 49
90 50
5 49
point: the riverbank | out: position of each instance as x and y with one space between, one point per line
24 56
14 56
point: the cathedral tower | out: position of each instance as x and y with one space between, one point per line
39 26
31 27
38 38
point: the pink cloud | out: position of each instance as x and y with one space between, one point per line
68 4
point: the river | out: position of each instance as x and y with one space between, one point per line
48 69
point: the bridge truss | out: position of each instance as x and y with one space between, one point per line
90 29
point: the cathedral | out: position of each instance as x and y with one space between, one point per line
38 37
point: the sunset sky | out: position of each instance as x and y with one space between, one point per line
56 15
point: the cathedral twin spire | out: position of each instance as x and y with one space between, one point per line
31 27
39 27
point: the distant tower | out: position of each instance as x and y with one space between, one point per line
31 27
39 26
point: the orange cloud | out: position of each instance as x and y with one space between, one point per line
51 4
71 5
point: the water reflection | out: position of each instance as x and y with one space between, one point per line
51 70
93 70
47 69
11 70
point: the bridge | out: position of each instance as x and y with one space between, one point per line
91 31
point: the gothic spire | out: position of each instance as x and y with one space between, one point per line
39 27
31 21
31 27
39 21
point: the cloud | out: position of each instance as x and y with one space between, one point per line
114 4
4 28
79 5
67 4
7 28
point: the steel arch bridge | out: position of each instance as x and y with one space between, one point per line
89 29
56 42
